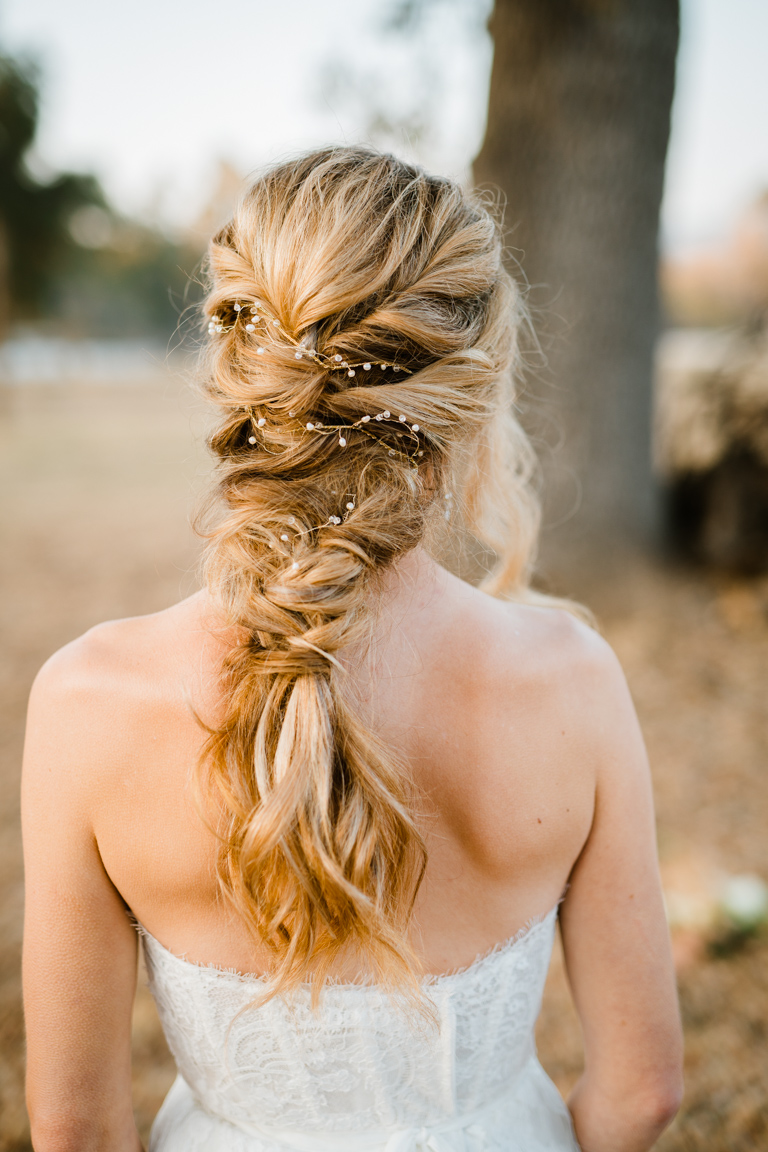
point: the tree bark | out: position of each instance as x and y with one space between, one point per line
5 273
578 124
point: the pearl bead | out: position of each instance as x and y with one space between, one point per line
298 355
337 358
251 439
383 365
238 307
365 419
294 566
284 537
367 367
401 419
351 372
250 327
420 453
310 427
261 422
260 351
350 505
414 427
291 413
275 323
342 441
386 415
378 416
391 451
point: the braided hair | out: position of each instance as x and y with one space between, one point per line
361 259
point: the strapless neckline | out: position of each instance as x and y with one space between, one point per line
482 960
360 1072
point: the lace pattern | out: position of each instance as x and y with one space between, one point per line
360 1066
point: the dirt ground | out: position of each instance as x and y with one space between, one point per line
97 484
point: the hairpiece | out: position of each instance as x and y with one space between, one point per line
342 431
261 319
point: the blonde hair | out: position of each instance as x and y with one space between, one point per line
361 256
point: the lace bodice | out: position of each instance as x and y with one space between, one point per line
363 1071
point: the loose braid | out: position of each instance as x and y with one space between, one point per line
356 255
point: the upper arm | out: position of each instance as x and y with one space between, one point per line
80 950
613 921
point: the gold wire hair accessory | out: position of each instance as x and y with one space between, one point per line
265 325
342 431
292 533
259 321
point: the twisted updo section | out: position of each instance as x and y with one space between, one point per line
362 260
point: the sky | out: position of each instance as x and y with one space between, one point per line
151 95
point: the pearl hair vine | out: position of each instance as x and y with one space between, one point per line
292 533
261 322
258 320
342 432
255 319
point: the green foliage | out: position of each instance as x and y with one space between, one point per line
33 217
65 256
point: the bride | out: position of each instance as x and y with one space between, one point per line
342 796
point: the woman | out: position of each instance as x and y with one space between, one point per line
396 771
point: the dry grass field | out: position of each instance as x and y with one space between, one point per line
97 484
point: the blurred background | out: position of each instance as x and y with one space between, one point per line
628 143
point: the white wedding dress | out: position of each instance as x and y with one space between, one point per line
362 1073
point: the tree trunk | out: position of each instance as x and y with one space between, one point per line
578 125
5 273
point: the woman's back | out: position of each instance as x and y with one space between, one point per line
479 698
488 702
338 769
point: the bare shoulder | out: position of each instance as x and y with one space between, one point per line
97 693
110 658
546 679
548 649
